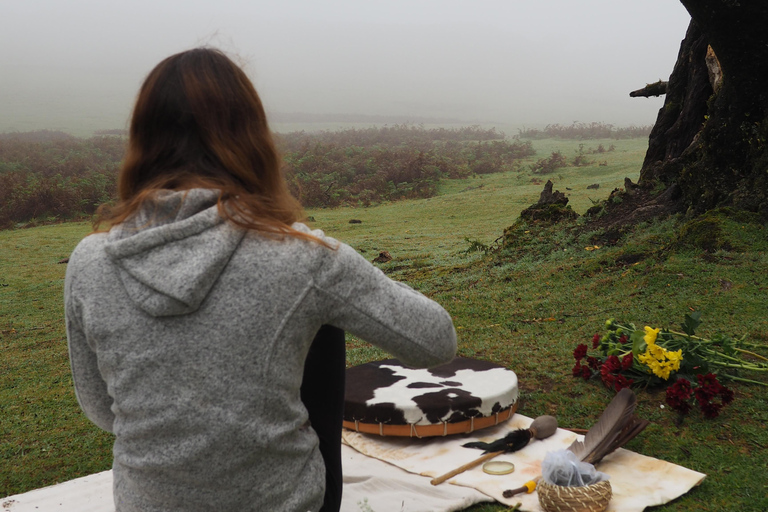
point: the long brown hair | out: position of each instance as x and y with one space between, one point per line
198 122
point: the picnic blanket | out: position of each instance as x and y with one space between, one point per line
637 481
370 485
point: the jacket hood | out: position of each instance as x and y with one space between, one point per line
170 254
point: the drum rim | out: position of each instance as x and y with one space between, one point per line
433 430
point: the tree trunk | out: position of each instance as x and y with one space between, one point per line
709 141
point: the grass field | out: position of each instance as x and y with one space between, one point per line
526 311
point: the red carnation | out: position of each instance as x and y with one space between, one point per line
678 395
586 373
682 406
709 384
726 395
614 365
623 339
608 379
622 382
595 340
609 367
576 370
702 396
593 362
626 361
711 410
682 388
708 388
580 352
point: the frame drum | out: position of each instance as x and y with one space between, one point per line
390 399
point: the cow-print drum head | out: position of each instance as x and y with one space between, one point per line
387 398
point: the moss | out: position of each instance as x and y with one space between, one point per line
719 229
536 239
548 213
737 215
595 211
704 233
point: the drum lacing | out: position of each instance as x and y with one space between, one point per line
414 431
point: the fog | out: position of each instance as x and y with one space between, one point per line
76 65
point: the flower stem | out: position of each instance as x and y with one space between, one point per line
738 342
742 366
740 362
688 336
741 379
751 353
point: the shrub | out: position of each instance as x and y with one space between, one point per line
585 131
384 164
549 165
54 176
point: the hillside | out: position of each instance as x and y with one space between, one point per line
525 305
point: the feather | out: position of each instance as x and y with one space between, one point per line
512 442
633 427
616 426
541 428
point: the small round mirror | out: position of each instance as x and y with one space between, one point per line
498 467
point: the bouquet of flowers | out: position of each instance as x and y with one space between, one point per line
654 357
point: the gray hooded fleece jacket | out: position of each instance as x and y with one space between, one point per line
187 339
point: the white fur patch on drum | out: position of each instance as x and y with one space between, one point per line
425 398
389 393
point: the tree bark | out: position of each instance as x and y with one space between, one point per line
655 89
710 136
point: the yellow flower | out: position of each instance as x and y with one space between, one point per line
663 372
647 359
650 335
675 358
656 351
660 361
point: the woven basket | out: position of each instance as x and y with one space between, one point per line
589 498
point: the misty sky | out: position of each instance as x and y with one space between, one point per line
76 65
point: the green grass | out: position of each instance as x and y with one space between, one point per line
44 438
526 308
478 208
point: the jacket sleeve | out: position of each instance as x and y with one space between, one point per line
359 298
90 388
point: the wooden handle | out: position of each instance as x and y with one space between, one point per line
468 465
528 487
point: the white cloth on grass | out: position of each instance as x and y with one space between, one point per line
637 481
370 485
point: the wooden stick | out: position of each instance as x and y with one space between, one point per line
540 428
465 467
528 487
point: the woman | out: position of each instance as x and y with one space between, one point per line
190 320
